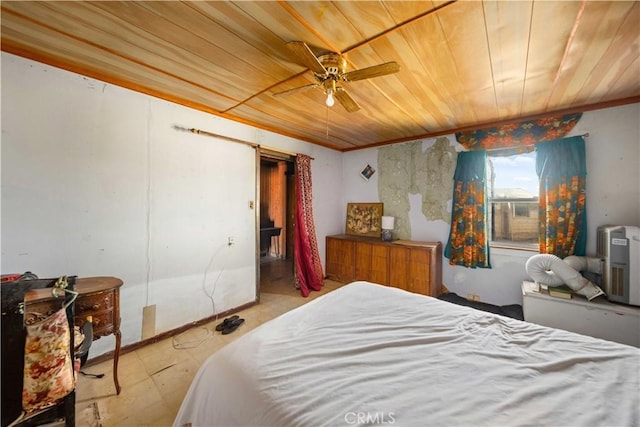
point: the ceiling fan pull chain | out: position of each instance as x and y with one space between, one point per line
327 124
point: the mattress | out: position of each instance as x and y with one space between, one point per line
367 354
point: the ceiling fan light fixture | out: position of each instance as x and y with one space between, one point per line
330 69
330 101
330 88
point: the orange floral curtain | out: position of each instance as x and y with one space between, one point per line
561 167
468 243
517 138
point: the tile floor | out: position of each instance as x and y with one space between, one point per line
155 378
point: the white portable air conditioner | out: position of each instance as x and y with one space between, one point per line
619 248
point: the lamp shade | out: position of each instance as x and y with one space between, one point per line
387 222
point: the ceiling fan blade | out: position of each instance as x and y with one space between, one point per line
374 71
306 57
297 89
346 100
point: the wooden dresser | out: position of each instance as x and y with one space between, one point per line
412 266
98 297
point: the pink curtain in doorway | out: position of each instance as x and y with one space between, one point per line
309 275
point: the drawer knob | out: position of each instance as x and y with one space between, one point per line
95 306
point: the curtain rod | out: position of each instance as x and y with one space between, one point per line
275 150
215 135
239 141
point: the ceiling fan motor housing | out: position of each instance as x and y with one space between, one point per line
329 71
334 63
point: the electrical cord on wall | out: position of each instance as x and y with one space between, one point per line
215 282
202 334
148 209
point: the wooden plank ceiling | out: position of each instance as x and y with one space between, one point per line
462 64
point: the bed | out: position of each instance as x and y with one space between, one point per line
367 354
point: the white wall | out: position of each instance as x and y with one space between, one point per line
97 182
613 197
613 167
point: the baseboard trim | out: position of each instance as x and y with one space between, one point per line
167 334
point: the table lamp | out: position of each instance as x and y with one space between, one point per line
387 226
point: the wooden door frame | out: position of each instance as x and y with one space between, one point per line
289 244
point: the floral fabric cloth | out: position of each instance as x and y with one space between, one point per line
517 138
468 243
562 170
48 370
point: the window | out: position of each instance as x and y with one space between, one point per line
513 201
522 209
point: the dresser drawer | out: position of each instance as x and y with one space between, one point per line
103 323
91 304
100 306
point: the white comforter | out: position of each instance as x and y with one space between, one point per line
368 354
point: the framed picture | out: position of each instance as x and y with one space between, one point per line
364 219
367 172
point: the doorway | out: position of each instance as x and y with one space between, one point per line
277 213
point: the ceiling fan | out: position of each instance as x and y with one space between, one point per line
329 71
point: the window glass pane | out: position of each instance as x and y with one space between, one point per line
516 172
513 196
521 209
